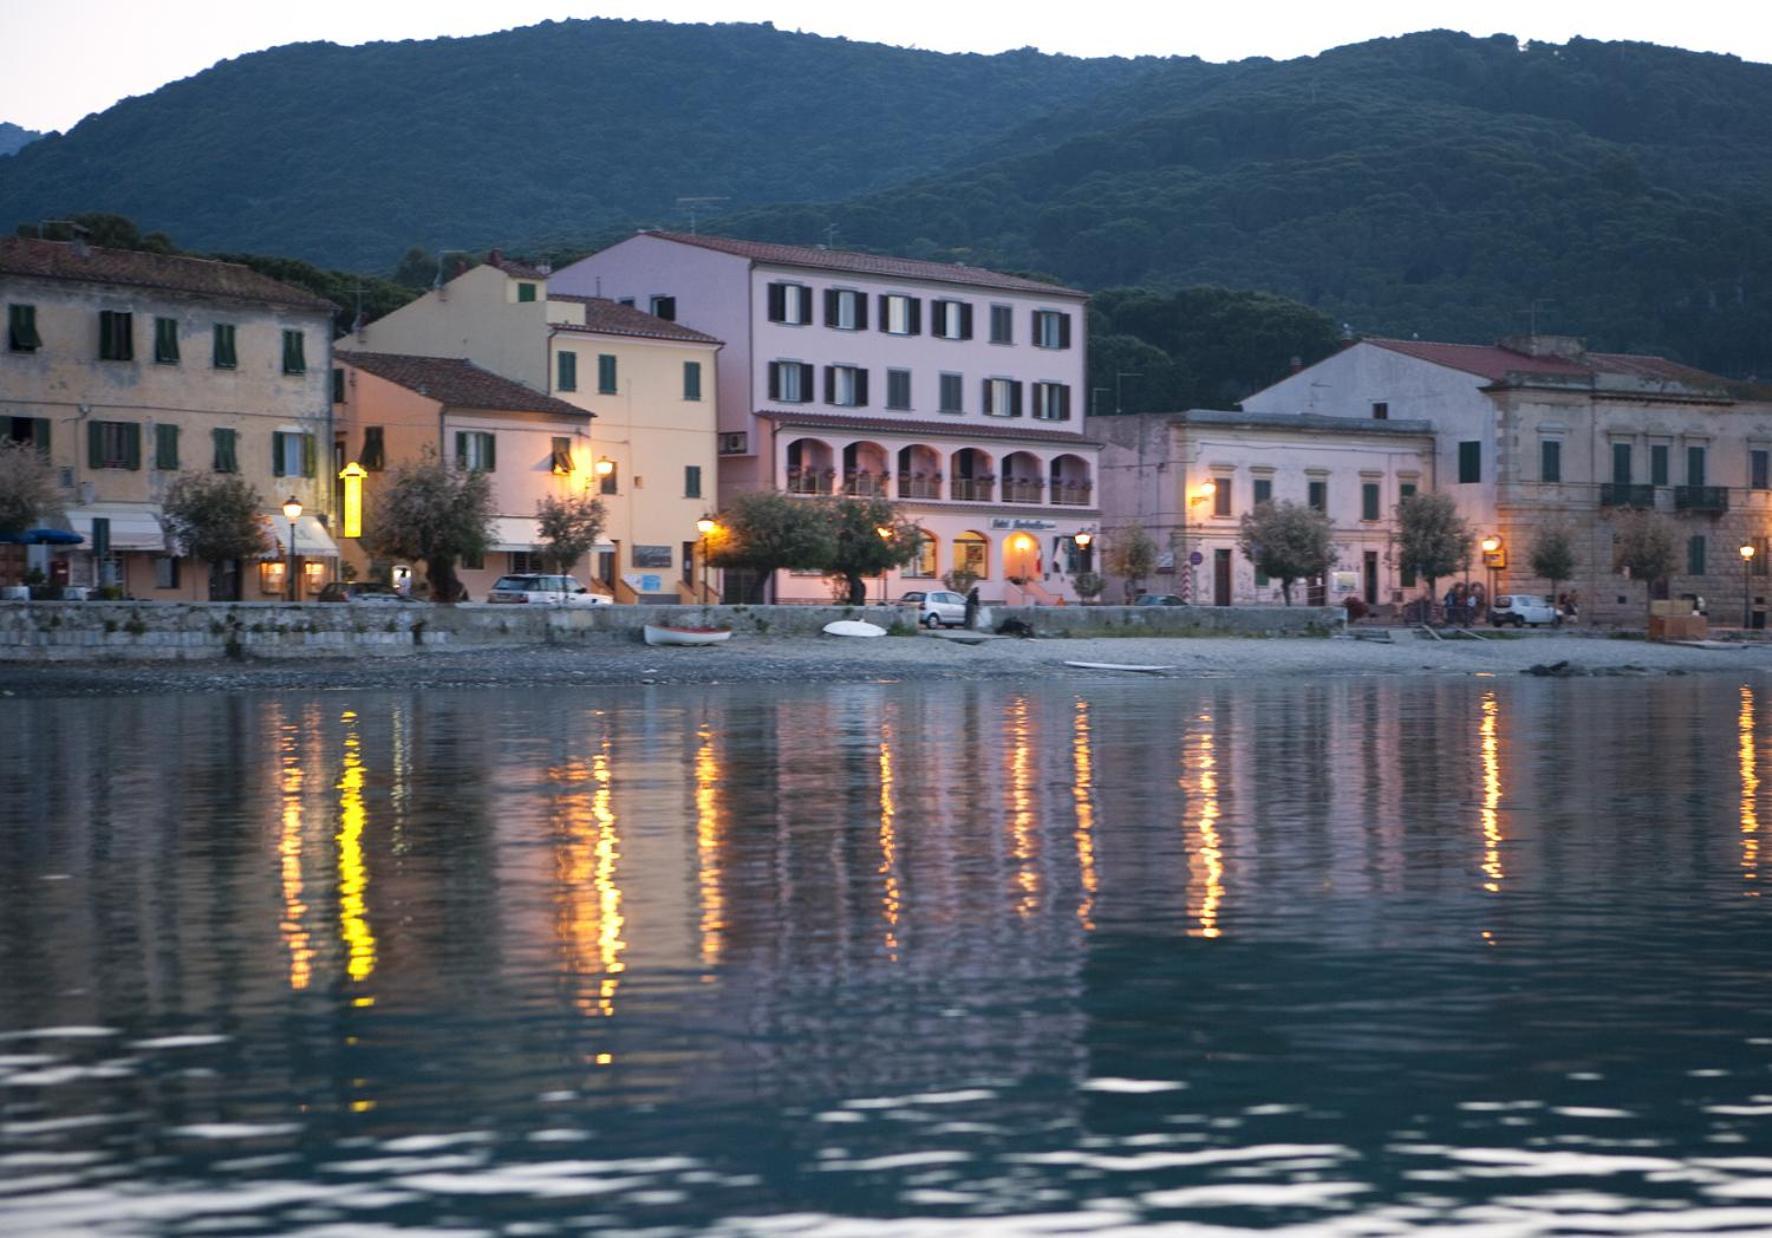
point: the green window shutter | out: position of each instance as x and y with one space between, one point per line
606 374
567 366
491 441
461 449
1695 556
692 380
338 385
166 447
1369 501
308 454
293 361
215 450
525 292
132 446
95 445
276 453
40 434
225 358
1470 462
227 451
21 328
166 341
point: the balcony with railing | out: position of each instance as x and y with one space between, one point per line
1022 489
1072 493
867 484
974 489
811 481
1705 500
919 487
1624 494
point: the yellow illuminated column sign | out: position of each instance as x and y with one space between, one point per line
352 475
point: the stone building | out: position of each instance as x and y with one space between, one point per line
1536 432
131 368
1187 479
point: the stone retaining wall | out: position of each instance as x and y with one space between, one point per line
128 631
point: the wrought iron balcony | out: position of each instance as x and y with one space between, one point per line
1072 494
1022 490
918 487
978 491
1621 494
809 481
869 485
1713 500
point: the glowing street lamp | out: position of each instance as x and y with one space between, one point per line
292 509
705 526
1747 601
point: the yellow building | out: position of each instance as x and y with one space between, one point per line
392 409
652 448
132 368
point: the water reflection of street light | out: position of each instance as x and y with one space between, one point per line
291 509
1747 601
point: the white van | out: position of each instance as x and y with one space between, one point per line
1521 609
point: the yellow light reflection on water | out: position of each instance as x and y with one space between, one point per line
1083 791
891 896
588 909
289 859
1494 872
1199 782
610 944
1750 789
707 847
353 872
1021 808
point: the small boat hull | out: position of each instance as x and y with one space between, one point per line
853 627
659 634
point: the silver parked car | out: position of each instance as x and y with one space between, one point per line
1521 609
545 591
937 608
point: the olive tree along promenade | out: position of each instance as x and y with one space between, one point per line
569 528
1643 545
1431 540
1287 541
868 536
434 512
1551 556
28 494
1131 554
217 518
766 531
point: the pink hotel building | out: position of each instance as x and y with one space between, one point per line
955 391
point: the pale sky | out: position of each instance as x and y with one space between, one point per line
61 61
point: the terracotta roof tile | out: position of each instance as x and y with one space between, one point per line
606 317
458 383
1495 363
934 429
27 256
817 259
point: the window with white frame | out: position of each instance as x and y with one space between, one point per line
846 386
1052 402
790 304
475 451
1002 397
790 382
845 309
900 315
950 320
1052 329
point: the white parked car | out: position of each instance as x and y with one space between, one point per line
1521 609
937 608
545 591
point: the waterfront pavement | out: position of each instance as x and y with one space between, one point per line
909 659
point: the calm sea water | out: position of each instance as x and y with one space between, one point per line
1343 957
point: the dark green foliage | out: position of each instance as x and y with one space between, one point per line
1197 348
573 131
15 138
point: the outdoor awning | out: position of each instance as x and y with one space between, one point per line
514 533
42 537
134 526
311 539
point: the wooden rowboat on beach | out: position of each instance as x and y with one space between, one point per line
662 634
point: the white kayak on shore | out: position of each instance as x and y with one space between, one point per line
1120 666
661 634
853 627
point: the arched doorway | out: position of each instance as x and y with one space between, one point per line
1021 557
972 553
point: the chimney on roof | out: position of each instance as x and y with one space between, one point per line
546 268
496 258
1567 347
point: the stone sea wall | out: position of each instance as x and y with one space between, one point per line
127 631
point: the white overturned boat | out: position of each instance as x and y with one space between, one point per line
1135 667
853 627
661 634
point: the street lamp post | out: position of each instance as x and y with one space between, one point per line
291 509
1747 588
1492 562
1082 541
704 526
885 532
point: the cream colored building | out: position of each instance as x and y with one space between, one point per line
1188 478
648 382
393 409
131 368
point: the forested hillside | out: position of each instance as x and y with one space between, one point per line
566 130
14 137
1435 184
